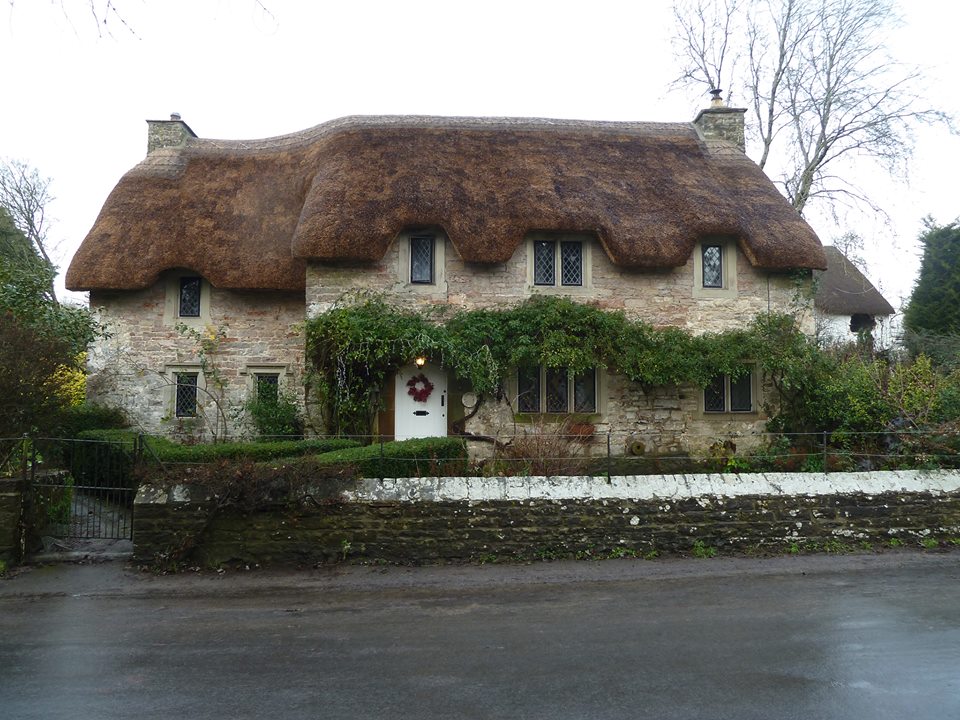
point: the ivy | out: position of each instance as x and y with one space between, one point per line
354 347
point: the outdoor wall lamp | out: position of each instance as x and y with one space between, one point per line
420 361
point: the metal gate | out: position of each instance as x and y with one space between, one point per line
83 511
82 489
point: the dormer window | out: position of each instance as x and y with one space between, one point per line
713 266
187 299
715 269
189 305
421 259
558 263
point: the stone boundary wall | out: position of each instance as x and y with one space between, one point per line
11 504
650 487
454 519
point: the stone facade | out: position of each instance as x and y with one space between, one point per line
237 335
671 419
662 297
429 519
241 333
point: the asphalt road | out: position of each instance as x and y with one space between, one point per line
865 636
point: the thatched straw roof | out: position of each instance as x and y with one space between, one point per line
248 214
844 290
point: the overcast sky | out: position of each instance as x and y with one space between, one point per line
77 98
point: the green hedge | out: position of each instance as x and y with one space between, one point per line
164 450
405 458
100 458
75 420
170 452
106 457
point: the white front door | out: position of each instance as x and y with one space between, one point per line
420 403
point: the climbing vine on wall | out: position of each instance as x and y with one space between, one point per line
354 347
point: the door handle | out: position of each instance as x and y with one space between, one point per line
421 413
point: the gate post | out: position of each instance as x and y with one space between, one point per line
26 501
24 450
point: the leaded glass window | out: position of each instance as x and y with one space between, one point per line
528 390
714 395
741 390
421 259
571 263
189 305
585 392
712 266
728 394
186 394
556 390
544 262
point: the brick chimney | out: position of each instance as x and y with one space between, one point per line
167 133
720 121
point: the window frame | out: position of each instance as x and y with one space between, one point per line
557 246
556 239
728 385
542 389
403 259
177 385
173 282
728 269
253 371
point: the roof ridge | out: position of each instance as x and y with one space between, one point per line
438 122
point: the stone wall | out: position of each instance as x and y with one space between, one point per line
133 367
664 297
661 297
429 519
11 502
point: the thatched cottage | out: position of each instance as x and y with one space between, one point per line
848 307
225 246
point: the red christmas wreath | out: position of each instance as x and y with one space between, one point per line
419 387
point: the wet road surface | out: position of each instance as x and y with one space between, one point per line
867 636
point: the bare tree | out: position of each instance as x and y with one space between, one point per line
107 14
817 80
25 195
851 245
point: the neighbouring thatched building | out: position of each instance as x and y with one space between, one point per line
223 246
848 307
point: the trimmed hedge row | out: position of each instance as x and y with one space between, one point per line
403 458
163 450
166 451
106 457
